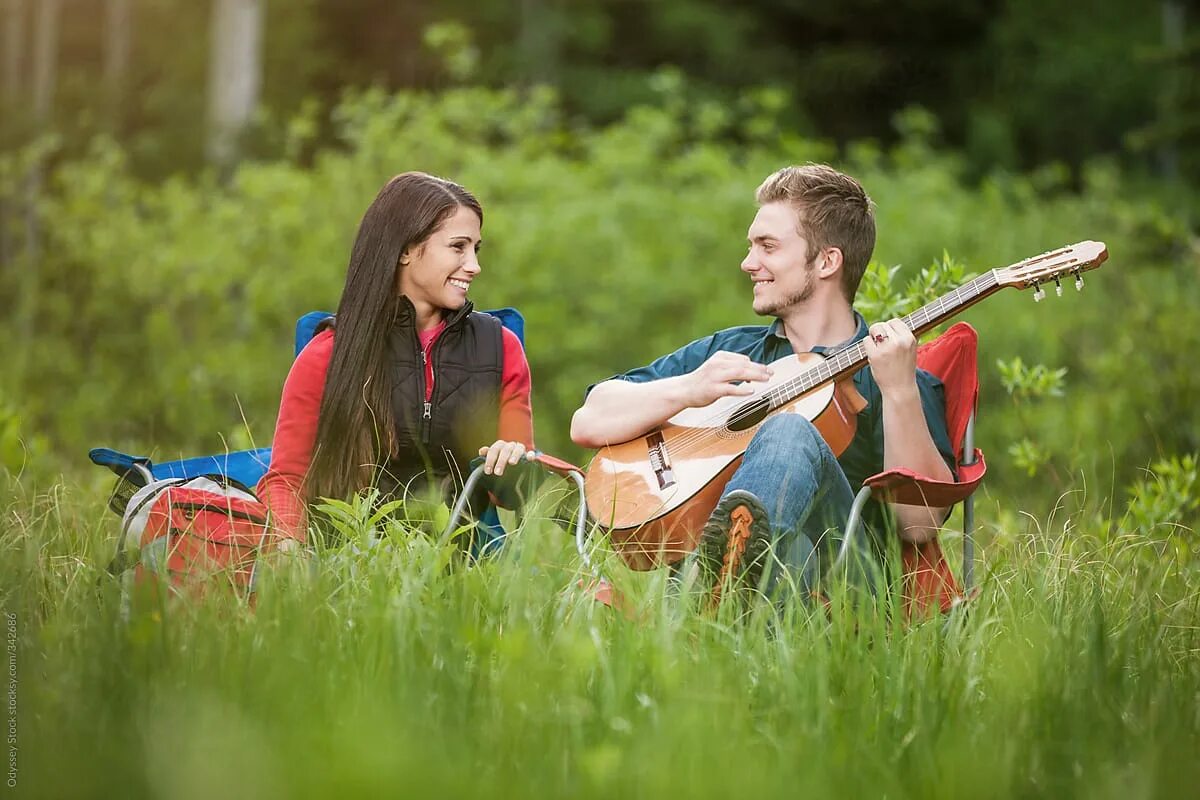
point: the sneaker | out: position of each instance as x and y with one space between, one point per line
734 546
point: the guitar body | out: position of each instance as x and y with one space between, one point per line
654 493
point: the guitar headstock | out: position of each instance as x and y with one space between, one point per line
1071 260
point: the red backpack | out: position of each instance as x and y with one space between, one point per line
194 533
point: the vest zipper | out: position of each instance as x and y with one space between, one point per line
427 415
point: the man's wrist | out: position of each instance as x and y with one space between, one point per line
679 391
904 393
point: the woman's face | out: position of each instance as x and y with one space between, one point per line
437 273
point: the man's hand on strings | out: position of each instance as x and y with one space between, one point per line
724 374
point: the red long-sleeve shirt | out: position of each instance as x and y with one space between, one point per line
296 429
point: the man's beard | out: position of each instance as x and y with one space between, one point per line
800 296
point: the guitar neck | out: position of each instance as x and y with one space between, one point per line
850 359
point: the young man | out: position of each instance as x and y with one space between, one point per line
809 246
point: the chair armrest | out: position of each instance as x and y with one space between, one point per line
910 488
556 465
520 478
508 487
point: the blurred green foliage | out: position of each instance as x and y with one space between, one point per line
163 311
1017 85
1167 499
1024 384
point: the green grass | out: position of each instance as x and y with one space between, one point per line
380 673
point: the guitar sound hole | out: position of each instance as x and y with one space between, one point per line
748 415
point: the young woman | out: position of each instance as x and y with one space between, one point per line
408 381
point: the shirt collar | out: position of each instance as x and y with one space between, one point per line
860 332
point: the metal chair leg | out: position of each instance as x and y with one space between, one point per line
968 569
853 525
581 523
461 503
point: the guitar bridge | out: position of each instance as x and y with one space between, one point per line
660 460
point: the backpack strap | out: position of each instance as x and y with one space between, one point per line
119 563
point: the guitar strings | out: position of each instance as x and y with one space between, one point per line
775 396
821 373
796 386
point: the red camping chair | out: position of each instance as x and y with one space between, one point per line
928 580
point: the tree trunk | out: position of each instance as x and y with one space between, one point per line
45 75
14 51
234 76
45 60
15 35
1169 91
118 35
539 41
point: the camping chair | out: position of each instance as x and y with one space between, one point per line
244 468
928 580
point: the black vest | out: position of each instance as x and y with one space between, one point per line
440 437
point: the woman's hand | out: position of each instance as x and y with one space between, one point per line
500 454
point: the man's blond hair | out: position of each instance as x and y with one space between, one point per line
832 210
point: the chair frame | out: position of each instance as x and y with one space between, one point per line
553 465
854 520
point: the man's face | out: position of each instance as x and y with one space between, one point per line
778 262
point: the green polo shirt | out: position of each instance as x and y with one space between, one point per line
766 343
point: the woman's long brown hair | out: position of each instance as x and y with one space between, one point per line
355 430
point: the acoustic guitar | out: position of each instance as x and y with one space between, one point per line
655 492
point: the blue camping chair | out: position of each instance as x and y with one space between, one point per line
244 468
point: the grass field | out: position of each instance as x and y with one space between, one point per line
378 672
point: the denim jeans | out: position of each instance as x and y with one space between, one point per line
791 469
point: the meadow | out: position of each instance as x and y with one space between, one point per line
383 669
379 665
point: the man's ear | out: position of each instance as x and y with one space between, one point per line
830 263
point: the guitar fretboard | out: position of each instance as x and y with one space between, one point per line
850 359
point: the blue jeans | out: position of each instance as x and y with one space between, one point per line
791 469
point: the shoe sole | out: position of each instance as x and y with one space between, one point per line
734 545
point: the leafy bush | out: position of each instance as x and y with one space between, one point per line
164 312
1168 498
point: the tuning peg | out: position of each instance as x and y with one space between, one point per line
1038 292
1078 281
1057 286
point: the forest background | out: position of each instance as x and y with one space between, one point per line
181 179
